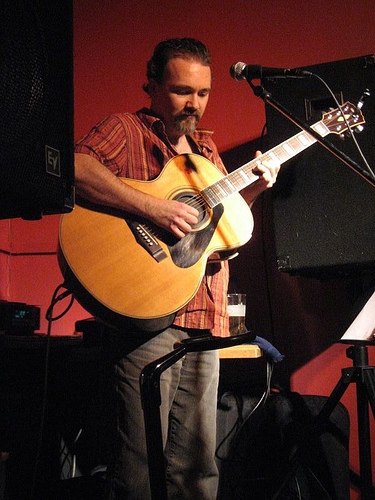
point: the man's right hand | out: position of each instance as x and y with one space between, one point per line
174 216
98 185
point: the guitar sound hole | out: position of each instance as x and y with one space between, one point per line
196 201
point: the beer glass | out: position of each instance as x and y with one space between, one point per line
236 312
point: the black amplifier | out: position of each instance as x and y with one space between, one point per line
18 318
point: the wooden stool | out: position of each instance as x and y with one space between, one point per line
241 351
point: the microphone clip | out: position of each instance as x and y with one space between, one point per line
365 94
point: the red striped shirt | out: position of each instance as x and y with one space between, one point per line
135 145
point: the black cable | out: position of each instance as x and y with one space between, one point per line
241 422
49 316
238 427
264 253
55 299
369 169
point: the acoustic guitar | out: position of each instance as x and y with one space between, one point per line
122 267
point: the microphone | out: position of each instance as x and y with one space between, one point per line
242 71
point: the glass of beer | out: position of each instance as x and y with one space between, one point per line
236 312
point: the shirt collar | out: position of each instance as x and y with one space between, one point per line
200 136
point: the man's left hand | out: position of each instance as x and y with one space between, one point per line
267 171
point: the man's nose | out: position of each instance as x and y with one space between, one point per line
193 101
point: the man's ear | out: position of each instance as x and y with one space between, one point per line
152 86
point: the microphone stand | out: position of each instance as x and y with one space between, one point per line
260 91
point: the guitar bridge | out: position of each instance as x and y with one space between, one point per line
145 238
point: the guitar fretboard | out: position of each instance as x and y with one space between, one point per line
244 176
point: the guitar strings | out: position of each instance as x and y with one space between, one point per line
235 178
198 202
223 187
284 151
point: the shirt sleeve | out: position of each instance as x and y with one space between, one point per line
106 142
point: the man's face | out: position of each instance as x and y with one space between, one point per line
181 99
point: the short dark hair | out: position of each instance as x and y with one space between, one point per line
187 48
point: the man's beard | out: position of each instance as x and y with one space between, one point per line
186 124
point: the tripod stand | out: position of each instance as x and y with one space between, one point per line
363 376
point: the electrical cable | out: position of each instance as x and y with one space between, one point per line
49 316
241 422
347 124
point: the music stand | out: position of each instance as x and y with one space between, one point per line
360 334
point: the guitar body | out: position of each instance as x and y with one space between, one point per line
106 257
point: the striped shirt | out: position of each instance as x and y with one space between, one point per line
135 145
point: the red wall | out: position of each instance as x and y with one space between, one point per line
112 42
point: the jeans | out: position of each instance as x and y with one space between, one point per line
188 416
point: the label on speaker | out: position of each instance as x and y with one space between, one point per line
53 161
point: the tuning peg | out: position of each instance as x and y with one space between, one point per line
346 134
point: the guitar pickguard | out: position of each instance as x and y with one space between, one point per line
184 252
189 249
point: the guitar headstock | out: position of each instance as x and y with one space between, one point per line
335 122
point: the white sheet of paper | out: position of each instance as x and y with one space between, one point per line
363 327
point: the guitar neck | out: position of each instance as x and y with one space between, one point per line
244 176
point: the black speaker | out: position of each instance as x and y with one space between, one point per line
36 111
324 212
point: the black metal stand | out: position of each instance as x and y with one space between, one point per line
151 400
363 376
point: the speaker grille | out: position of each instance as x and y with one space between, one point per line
23 75
36 112
324 214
